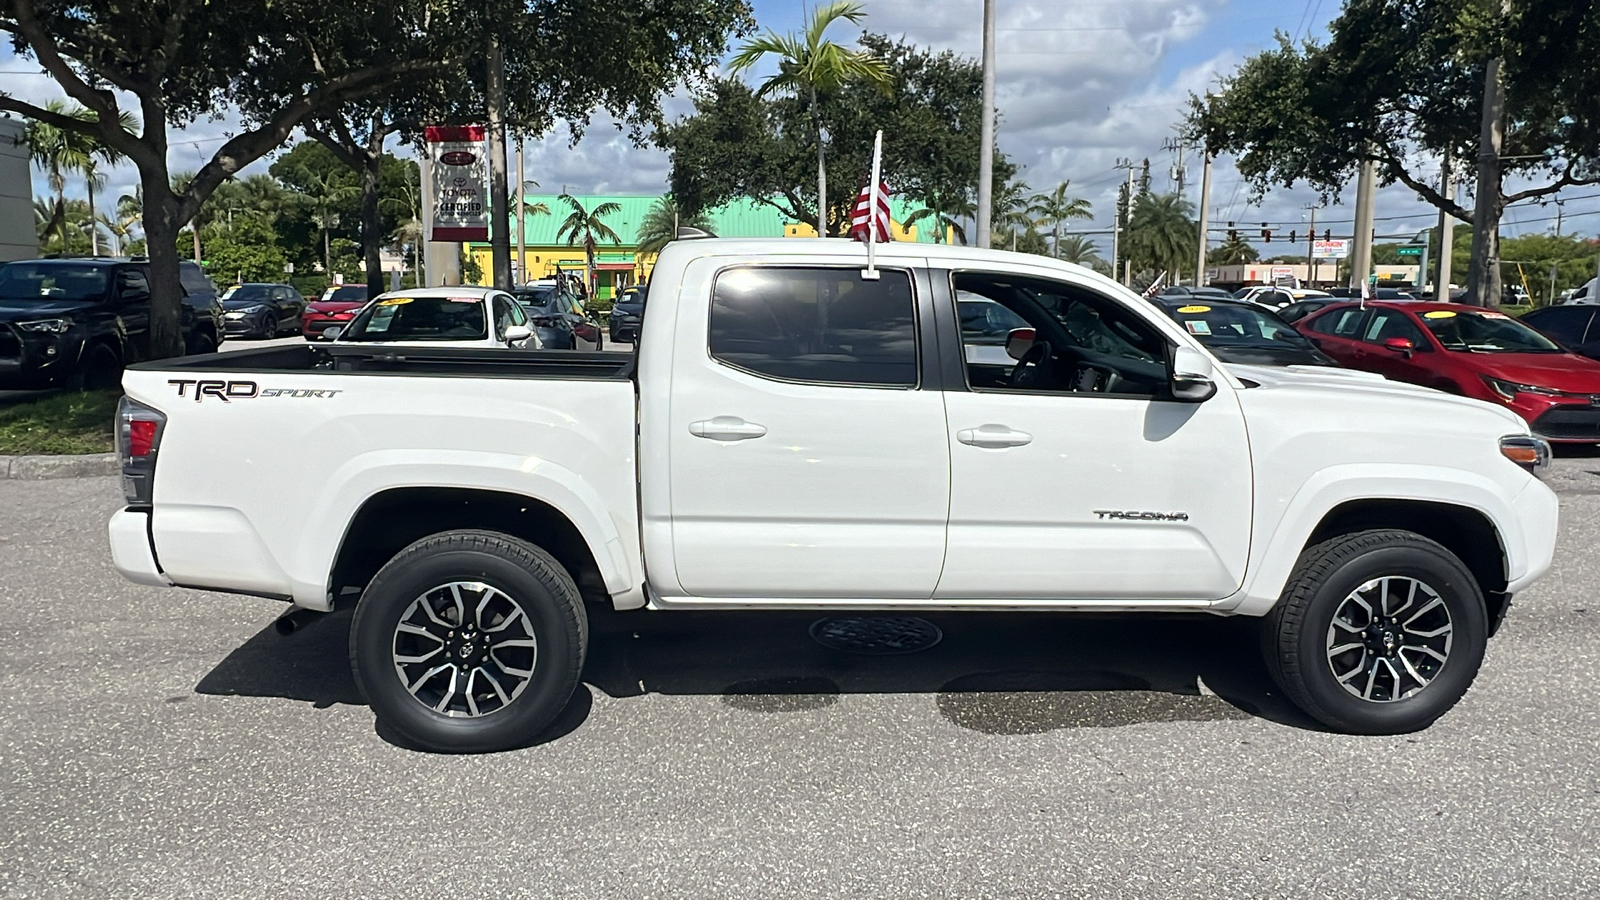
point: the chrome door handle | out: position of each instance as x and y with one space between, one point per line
726 428
993 436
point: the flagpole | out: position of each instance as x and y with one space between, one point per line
871 274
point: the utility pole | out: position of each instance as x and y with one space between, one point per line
520 271
1124 219
1311 245
1361 259
986 131
499 222
1205 217
1447 228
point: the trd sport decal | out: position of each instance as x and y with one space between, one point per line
228 391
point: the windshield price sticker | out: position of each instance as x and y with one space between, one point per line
1439 314
1194 309
1198 326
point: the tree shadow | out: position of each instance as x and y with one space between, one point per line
994 673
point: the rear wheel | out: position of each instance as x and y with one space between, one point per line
469 642
1378 632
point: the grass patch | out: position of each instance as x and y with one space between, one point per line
64 424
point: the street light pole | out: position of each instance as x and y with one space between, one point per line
986 131
1205 218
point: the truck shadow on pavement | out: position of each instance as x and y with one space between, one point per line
995 673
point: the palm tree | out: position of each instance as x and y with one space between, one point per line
661 224
946 213
811 67
130 212
1161 233
1010 210
60 151
1055 206
1079 250
1234 251
323 191
590 226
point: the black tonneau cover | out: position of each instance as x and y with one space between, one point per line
380 360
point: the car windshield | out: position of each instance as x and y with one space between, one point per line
1485 332
46 282
536 299
984 321
1230 325
247 293
420 319
350 293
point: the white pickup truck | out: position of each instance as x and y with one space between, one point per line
794 434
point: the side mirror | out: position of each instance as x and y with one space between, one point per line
516 334
1192 376
333 333
1019 341
1400 345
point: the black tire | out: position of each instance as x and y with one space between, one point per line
270 327
1299 635
99 370
527 577
199 343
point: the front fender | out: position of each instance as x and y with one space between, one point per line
1281 542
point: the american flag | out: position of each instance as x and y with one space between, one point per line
861 221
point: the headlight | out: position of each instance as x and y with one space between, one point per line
1527 451
259 307
1510 389
53 326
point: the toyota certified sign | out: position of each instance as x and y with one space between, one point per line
460 186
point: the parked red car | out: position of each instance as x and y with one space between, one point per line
336 306
1471 351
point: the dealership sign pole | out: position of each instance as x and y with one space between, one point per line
459 189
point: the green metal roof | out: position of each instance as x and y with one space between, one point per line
741 218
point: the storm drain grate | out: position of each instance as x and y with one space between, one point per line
876 635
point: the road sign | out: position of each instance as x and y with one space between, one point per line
1409 250
1330 249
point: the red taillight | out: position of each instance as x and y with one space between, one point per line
141 437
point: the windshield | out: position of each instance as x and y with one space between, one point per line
419 319
536 298
1236 326
1485 332
987 322
47 282
356 293
247 293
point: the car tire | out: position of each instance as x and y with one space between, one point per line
99 370
1378 632
513 687
270 327
198 344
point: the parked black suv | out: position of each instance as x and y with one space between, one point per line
77 322
628 313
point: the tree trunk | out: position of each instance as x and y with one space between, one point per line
499 206
161 245
327 255
61 214
94 227
1483 270
822 169
371 164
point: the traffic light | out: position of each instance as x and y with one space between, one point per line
1233 234
1291 237
1327 234
1266 233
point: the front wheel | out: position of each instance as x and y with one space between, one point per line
1378 632
199 344
469 642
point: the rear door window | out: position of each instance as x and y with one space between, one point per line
1345 323
816 325
1392 323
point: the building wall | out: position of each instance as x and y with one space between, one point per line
17 237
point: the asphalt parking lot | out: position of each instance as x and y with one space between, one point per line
170 744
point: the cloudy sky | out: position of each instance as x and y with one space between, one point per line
1082 84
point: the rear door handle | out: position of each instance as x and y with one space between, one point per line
993 436
726 428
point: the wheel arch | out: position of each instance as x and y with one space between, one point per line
391 520
1464 531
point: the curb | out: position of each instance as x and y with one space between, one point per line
36 468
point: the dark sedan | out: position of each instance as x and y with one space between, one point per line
559 321
628 313
1243 333
1574 327
262 310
